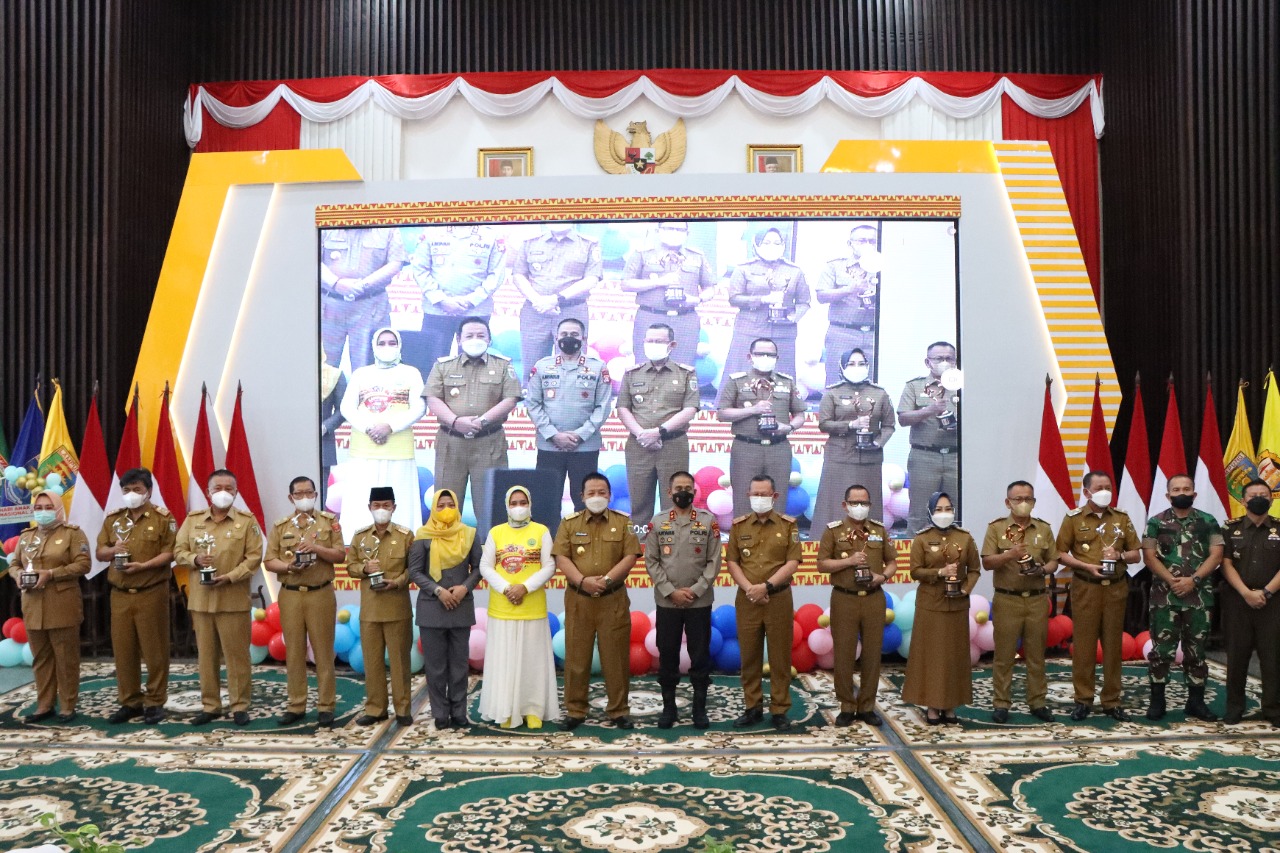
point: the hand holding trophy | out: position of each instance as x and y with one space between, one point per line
207 543
1017 537
30 575
953 583
857 543
371 565
122 527
864 436
1109 535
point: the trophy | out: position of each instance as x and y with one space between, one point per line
766 422
122 528
857 540
376 579
778 311
1109 534
864 436
946 386
953 587
302 559
28 578
206 542
1017 535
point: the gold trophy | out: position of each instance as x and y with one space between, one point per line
1017 535
934 391
766 422
122 528
857 540
376 579
207 543
777 302
864 436
29 576
300 560
1109 534
953 587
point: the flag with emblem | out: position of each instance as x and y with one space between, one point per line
1097 454
128 456
164 466
88 506
1173 456
202 464
1210 476
1053 478
57 451
1134 494
1240 459
15 502
240 463
1269 441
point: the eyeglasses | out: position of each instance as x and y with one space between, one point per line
946 359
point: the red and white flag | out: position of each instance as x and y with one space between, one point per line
1053 478
88 504
1211 476
164 467
202 464
1134 495
128 456
1173 456
240 463
1097 454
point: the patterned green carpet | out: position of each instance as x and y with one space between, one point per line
1022 786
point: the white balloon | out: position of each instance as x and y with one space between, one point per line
952 379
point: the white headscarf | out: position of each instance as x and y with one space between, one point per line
374 343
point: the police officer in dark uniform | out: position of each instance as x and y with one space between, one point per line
1250 609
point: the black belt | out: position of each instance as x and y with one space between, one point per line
766 442
855 326
858 592
933 449
489 430
136 589
669 435
333 294
1081 576
305 588
570 303
609 591
669 312
1022 593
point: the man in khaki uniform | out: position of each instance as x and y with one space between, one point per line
471 394
669 281
595 549
308 606
1021 552
851 286
356 265
657 401
555 273
386 616
764 407
932 464
763 553
1090 534
848 545
228 540
144 533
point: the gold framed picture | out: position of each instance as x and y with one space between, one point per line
504 162
775 158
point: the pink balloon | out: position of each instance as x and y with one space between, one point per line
857 653
482 618
973 629
1146 648
651 642
975 654
820 642
475 644
720 503
899 503
1177 657
986 639
827 661
333 498
978 604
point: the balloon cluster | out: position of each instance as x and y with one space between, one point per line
555 622
897 500
15 648
266 637
31 481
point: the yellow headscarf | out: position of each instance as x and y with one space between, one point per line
450 543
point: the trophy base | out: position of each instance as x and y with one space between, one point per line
377 582
119 561
1029 569
207 578
28 581
865 443
1108 571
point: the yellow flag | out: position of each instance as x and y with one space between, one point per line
57 453
1239 459
1269 442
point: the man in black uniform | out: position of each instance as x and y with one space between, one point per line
1250 611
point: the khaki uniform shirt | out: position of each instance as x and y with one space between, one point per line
153 533
1041 545
553 263
237 554
693 273
358 252
654 393
392 553
839 542
473 386
285 537
844 402
858 308
595 543
683 551
761 545
928 433
65 550
757 278
930 551
1081 536
746 388
458 262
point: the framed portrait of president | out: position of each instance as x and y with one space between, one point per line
504 162
775 158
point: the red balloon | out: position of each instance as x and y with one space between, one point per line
1067 628
273 618
1129 650
797 636
10 544
260 633
641 660
707 480
8 625
420 646
18 633
803 658
1141 640
275 646
807 617
640 627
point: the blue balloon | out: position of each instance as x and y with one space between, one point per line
730 657
708 368
557 645
617 476
891 601
343 639
258 654
795 464
621 504
354 622
892 637
595 660
717 642
797 501
725 620
356 658
554 622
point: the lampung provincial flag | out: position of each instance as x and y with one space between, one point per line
1240 459
1269 443
1210 476
1053 478
88 506
1173 457
1134 495
15 502
57 451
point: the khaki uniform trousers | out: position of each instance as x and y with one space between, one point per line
747 460
648 468
1014 618
309 616
377 639
222 636
463 461
140 634
585 619
930 471
1097 612
856 616
776 621
56 665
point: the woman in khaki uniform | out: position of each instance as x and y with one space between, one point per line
938 668
53 609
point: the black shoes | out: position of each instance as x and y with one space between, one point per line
40 716
845 719
68 717
780 722
240 718
1117 713
669 715
288 718
404 720
367 720
443 725
1000 715
871 718
1196 707
153 715
623 722
568 724
1043 713
750 717
460 722
1079 712
1156 710
1232 717
700 718
324 720
124 715
204 718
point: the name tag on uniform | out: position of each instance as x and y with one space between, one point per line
581 533
875 538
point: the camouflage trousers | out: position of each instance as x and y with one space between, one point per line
1169 626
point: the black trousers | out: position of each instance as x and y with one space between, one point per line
574 464
695 624
1247 631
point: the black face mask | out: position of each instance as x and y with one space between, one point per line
1258 505
683 500
570 346
1182 501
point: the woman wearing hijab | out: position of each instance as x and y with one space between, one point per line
53 609
445 564
938 668
382 403
520 670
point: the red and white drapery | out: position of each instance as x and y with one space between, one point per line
1065 110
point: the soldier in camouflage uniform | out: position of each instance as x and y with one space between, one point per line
1182 547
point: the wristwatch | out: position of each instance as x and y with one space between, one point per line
484 422
663 433
1266 593
769 587
608 582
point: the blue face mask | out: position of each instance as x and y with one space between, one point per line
45 517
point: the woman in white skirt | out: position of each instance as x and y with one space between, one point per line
519 669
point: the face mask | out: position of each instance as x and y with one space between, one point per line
858 512
856 373
672 239
683 500
133 500
943 519
597 505
656 352
304 504
387 353
764 363
1259 505
570 346
1182 501
761 503
475 347
45 517
1101 498
1021 508
448 515
222 500
381 516
518 514
769 252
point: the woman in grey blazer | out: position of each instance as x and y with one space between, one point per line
444 562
